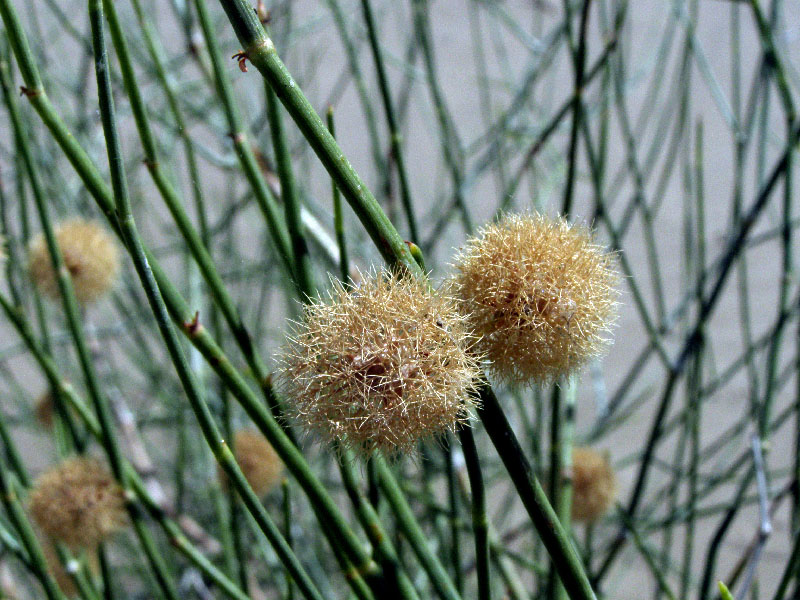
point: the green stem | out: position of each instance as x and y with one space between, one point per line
398 583
480 520
391 120
291 201
562 497
16 514
337 527
555 538
241 142
170 528
453 516
185 374
407 523
450 145
338 217
262 53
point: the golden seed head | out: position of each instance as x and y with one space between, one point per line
90 255
539 295
594 485
77 503
381 366
258 460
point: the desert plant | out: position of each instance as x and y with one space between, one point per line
302 387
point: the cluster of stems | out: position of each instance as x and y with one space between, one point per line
341 525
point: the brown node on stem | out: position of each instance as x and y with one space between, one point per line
45 409
380 366
90 256
594 485
77 503
539 295
241 57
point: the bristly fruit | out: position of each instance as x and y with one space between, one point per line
90 256
381 366
260 464
77 503
594 485
539 295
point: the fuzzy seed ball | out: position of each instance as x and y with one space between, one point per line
90 256
258 460
539 295
77 503
381 366
594 485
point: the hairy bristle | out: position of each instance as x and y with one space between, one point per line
258 461
381 366
89 254
77 503
539 295
594 485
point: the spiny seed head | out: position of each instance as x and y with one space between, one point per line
594 485
381 366
77 503
539 295
90 256
258 460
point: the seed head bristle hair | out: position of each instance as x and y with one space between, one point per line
539 295
381 366
594 485
77 503
258 461
90 255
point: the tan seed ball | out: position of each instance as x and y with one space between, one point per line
539 294
258 461
594 485
381 366
77 503
90 255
